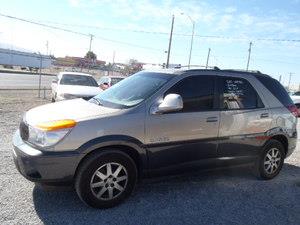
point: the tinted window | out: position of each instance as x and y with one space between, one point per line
197 93
238 94
69 79
276 89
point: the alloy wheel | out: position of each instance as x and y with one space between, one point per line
109 181
272 160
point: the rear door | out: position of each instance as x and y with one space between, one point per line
244 118
190 134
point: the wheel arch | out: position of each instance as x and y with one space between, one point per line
125 144
283 140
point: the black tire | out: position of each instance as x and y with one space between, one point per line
53 97
86 174
261 166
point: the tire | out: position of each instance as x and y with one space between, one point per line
89 183
270 161
52 99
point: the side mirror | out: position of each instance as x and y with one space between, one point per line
171 103
54 81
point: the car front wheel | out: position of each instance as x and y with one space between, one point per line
104 180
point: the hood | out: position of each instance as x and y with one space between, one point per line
77 109
79 90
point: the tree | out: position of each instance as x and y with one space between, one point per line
132 67
90 55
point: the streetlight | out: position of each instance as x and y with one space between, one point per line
192 39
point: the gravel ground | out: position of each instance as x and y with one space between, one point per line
231 196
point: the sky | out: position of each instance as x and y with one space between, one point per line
140 30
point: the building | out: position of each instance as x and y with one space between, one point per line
10 57
71 61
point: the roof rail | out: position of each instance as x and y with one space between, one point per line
241 70
199 66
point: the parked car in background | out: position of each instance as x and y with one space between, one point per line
157 121
70 85
296 99
108 81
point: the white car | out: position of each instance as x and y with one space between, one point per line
296 99
108 81
70 85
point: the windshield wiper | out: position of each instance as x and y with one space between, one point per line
97 101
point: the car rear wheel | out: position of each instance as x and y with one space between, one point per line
104 180
271 160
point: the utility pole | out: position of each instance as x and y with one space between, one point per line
91 39
47 47
280 78
40 75
113 63
192 43
291 74
170 42
207 58
192 39
249 55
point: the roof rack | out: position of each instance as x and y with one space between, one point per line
241 70
198 66
201 67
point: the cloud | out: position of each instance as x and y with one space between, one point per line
74 3
225 22
246 19
230 9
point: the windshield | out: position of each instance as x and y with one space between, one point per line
132 90
69 79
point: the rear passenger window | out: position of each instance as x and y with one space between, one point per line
276 89
197 93
237 93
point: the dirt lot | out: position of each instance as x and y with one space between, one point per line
231 196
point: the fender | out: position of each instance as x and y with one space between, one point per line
110 140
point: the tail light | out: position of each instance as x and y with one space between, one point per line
294 110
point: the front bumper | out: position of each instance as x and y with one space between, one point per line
85 97
41 166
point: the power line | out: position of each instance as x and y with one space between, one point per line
42 23
176 34
79 33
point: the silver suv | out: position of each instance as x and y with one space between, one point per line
153 122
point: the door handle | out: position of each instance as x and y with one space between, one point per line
264 115
211 119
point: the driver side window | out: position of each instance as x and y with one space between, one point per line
197 93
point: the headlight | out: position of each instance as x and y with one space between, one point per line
49 133
68 96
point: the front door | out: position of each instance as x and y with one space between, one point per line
188 135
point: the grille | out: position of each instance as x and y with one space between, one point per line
24 131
